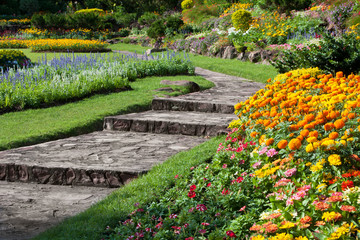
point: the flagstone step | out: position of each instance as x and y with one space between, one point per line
100 159
171 122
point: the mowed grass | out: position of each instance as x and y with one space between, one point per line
248 70
40 125
91 223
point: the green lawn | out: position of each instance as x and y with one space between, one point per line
39 125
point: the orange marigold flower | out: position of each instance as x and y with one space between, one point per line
269 141
339 124
351 115
295 144
304 133
282 144
334 199
313 134
319 223
339 74
333 135
238 106
256 228
253 134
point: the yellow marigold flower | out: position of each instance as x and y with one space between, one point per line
331 216
311 139
309 148
286 225
258 237
334 160
281 236
301 238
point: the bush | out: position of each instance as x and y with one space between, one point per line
173 23
13 58
54 21
186 4
90 20
123 32
123 18
200 13
37 21
284 6
148 18
157 29
332 54
241 19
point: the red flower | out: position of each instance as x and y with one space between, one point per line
192 187
176 176
231 234
225 192
209 184
239 179
159 225
242 209
191 194
202 231
347 184
189 238
348 208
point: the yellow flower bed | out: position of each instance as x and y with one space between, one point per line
58 45
15 21
235 7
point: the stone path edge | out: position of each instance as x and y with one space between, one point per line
65 176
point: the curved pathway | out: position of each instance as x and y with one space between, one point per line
45 183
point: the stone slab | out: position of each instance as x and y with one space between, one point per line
103 159
171 122
28 209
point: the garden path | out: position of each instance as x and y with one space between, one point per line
49 182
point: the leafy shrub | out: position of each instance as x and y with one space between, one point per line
90 20
173 23
123 18
38 21
186 4
148 18
54 21
123 32
13 58
29 6
284 6
157 29
332 54
200 13
241 19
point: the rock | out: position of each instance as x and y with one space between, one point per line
154 50
243 56
269 55
193 87
164 89
255 56
229 53
221 52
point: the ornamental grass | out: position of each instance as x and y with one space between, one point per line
56 45
289 169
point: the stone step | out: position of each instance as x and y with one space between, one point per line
173 104
100 159
171 122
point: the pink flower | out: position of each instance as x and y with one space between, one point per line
191 210
202 231
232 156
189 238
173 216
217 214
205 224
290 172
201 207
242 209
262 151
224 166
138 225
148 230
186 225
176 176
272 152
159 225
176 227
209 184
255 165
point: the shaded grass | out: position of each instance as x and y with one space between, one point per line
248 70
39 125
91 223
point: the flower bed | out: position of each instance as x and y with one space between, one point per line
288 170
11 58
71 77
56 45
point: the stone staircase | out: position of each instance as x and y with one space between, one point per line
128 146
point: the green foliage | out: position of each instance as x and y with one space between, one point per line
89 20
123 18
284 6
333 54
13 58
157 29
38 21
200 13
187 4
148 18
241 19
124 32
54 21
29 6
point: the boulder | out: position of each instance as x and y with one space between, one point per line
243 56
229 53
255 56
189 84
154 50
